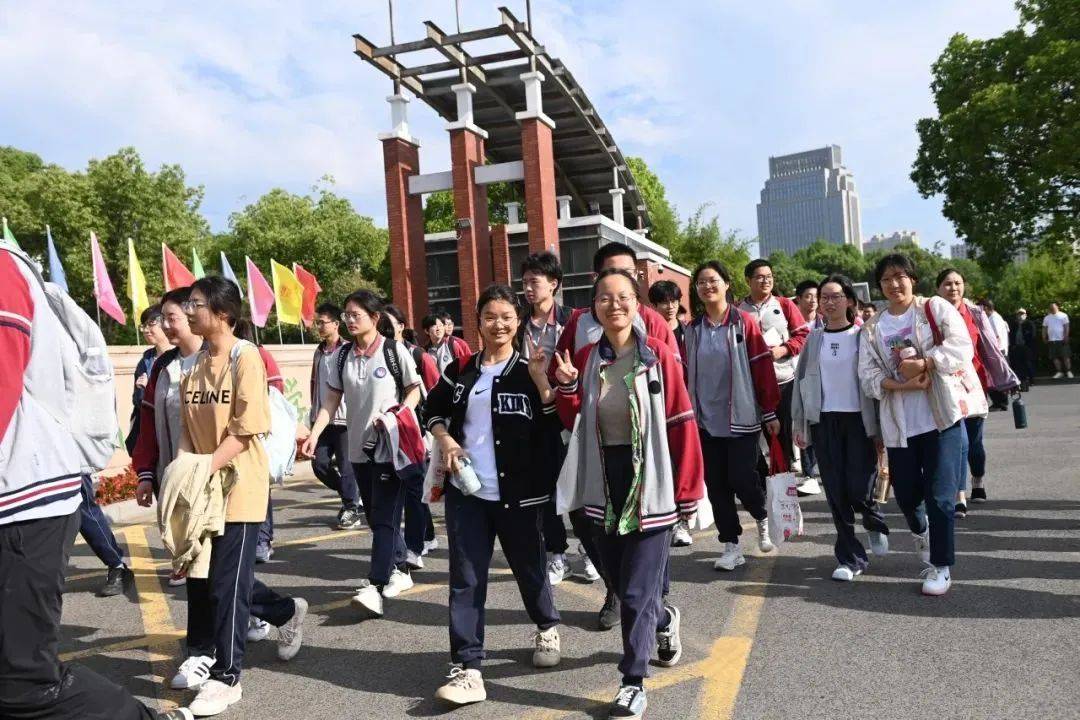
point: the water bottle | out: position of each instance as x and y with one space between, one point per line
465 478
1019 412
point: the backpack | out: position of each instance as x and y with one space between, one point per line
390 356
89 410
280 442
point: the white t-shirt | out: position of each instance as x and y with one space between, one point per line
1055 324
479 441
897 332
839 362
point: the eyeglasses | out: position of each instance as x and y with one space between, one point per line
606 300
150 324
190 306
350 317
763 278
840 297
897 279
708 283
324 323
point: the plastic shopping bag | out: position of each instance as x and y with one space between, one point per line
703 518
785 515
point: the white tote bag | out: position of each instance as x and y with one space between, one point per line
785 515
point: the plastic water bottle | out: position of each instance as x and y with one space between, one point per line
1019 412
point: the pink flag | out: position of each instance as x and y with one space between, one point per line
103 289
260 294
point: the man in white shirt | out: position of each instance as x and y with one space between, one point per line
1056 335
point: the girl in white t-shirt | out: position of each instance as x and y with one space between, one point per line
830 411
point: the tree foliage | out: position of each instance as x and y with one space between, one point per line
702 238
663 219
439 208
1004 150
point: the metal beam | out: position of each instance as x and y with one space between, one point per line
438 37
482 34
366 50
390 50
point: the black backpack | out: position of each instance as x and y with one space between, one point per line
393 364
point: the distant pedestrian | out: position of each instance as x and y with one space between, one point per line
150 327
1056 335
1022 348
867 310
998 399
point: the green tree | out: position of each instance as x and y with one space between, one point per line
701 238
1004 150
439 208
663 220
822 258
928 265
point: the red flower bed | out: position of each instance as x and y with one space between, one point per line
116 488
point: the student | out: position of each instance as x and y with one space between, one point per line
638 470
993 373
1056 335
734 394
585 329
224 411
365 377
487 411
829 409
445 346
867 310
806 299
150 327
924 388
545 319
458 347
1022 349
785 331
331 459
434 331
419 525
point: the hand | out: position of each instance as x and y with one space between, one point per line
538 359
919 382
451 452
565 372
308 448
144 493
879 444
800 441
779 352
773 427
911 368
141 382
303 432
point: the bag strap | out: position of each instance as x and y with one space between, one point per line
777 461
393 364
934 329
343 357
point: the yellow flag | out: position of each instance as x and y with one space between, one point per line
288 294
136 285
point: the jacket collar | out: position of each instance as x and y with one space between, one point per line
730 317
607 353
510 362
370 350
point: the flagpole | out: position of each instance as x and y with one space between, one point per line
302 340
281 340
256 329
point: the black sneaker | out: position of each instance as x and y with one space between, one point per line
610 614
960 511
349 519
978 494
177 714
117 580
668 640
630 702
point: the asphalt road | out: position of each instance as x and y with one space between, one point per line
776 639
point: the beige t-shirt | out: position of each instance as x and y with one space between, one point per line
213 408
613 408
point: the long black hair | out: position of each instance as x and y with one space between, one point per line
845 287
946 273
495 292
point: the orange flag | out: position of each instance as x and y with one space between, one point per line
311 293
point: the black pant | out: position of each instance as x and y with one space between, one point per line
266 528
730 472
265 604
331 465
848 459
418 523
33 681
1022 360
472 525
383 495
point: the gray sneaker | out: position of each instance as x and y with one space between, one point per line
629 702
668 640
263 552
291 634
879 543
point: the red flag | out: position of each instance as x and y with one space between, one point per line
311 293
260 294
173 272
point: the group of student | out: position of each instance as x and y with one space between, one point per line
620 416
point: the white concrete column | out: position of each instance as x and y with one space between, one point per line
617 205
399 119
534 102
564 206
464 93
513 213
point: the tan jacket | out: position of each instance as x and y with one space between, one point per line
191 510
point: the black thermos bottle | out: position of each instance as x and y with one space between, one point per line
1019 412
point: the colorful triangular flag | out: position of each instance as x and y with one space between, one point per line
103 288
227 271
288 294
173 272
311 293
260 295
196 265
9 237
136 284
56 270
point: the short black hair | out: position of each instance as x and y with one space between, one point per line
610 250
177 296
222 297
899 261
748 271
385 327
150 314
845 287
867 306
495 292
664 291
409 336
329 309
988 304
808 285
543 263
430 321
608 273
444 315
368 301
945 273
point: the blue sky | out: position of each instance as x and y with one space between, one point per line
247 96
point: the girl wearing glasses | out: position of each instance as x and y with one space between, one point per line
734 393
830 411
152 332
634 463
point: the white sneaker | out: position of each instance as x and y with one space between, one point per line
809 486
1058 375
192 673
588 572
463 687
214 697
430 546
879 543
731 558
1068 373
922 545
414 561
764 542
680 536
258 630
399 583
369 600
291 634
845 574
557 569
547 653
936 581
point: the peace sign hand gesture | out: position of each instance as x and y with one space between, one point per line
565 372
538 359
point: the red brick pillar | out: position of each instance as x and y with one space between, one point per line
500 255
405 218
541 208
474 241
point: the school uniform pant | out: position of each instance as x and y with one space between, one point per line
847 460
266 527
33 681
730 472
383 496
419 525
924 483
265 605
472 525
95 529
972 453
332 467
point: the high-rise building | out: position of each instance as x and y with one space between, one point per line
882 241
960 251
808 196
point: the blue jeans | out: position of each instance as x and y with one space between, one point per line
925 484
94 527
383 495
973 453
